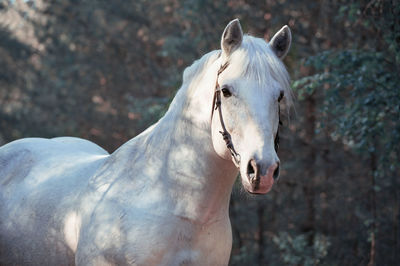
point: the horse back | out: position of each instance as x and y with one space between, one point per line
19 157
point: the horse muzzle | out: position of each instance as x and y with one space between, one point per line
258 183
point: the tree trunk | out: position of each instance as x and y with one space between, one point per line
373 211
308 185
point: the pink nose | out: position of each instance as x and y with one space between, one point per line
261 184
273 171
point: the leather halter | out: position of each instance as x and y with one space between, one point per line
225 134
217 105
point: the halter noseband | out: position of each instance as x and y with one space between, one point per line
225 134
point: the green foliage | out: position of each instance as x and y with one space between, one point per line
297 251
357 90
245 254
361 92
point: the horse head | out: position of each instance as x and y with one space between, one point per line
250 85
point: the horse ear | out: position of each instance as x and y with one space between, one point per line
232 37
281 41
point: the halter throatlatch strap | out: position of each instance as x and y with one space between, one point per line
217 105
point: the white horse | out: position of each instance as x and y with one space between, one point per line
162 198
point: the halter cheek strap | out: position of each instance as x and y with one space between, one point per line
225 134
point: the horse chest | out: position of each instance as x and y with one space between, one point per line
184 243
158 240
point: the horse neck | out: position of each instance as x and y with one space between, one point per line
181 145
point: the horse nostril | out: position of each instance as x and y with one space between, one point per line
252 170
276 172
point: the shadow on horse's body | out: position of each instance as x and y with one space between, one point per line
162 198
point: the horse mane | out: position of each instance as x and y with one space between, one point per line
198 68
192 76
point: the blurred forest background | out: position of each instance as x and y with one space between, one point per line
105 70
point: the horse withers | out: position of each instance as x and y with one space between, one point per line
162 198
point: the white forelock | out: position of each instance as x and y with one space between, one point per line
258 62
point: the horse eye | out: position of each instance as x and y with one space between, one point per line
281 96
226 92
